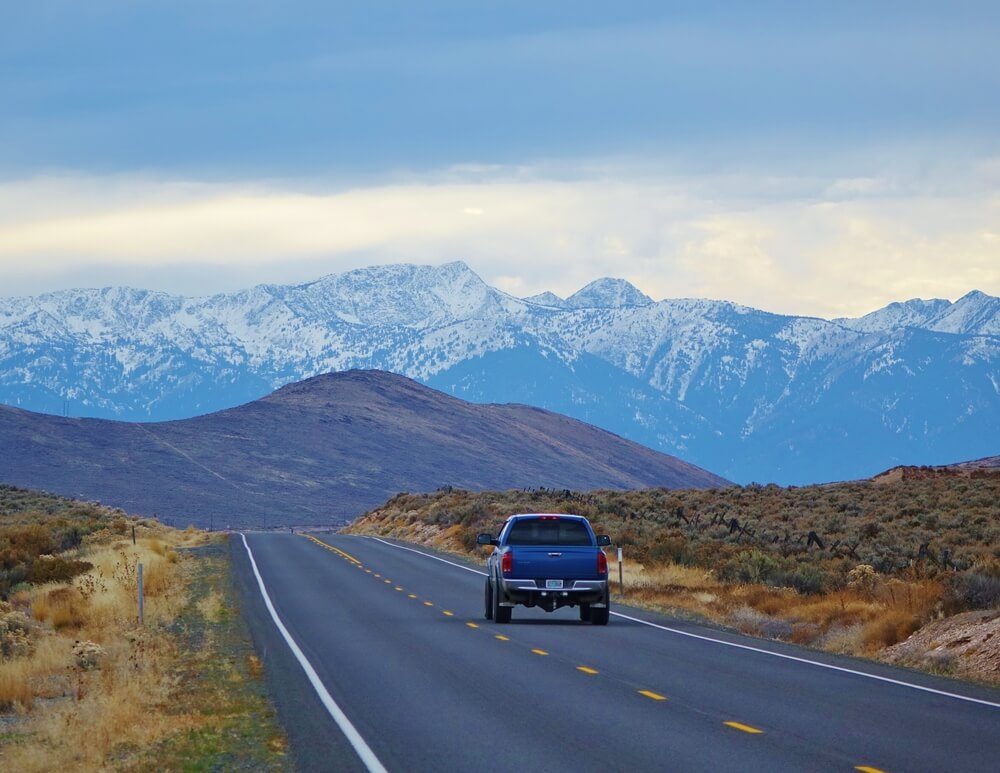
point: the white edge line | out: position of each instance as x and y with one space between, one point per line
747 647
367 756
428 555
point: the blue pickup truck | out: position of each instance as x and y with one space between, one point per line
548 561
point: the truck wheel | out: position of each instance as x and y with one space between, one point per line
600 615
489 602
500 614
585 612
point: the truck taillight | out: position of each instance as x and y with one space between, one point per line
507 563
602 563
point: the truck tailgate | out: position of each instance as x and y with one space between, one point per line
567 563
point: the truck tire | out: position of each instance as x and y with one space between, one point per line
585 613
600 615
501 614
489 601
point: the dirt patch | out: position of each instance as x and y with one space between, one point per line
966 645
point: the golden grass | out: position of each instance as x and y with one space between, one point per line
61 607
115 707
858 622
21 678
891 627
122 697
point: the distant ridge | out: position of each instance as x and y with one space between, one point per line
988 465
322 451
752 395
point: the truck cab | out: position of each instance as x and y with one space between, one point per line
547 560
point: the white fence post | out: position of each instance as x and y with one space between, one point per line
140 593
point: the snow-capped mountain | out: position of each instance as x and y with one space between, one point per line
607 293
745 393
975 314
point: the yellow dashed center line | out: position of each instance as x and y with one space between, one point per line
868 769
743 728
500 637
338 551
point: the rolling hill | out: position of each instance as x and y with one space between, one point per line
322 451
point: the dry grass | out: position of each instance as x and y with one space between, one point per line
83 685
848 621
61 607
119 698
38 675
211 606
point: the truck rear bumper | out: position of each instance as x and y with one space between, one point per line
527 592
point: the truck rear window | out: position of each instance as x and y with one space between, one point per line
538 531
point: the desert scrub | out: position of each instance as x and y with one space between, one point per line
852 567
83 686
179 692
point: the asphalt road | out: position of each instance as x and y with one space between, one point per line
396 667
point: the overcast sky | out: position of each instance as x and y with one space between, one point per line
810 158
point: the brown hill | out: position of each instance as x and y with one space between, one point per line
323 451
987 466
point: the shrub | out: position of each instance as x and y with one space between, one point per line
56 569
15 630
890 628
863 579
752 566
809 579
672 549
972 590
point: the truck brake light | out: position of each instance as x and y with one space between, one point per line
602 563
507 562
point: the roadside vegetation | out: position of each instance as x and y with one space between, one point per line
82 685
853 568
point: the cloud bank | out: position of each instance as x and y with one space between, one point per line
814 244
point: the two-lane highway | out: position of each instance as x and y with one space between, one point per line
378 656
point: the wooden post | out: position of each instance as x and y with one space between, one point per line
140 593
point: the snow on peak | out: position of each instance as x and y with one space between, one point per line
607 293
916 312
546 299
975 313
404 294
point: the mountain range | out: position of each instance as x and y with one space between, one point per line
751 395
322 451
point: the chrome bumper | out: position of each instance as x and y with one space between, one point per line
529 590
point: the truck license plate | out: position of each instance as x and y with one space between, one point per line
554 584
